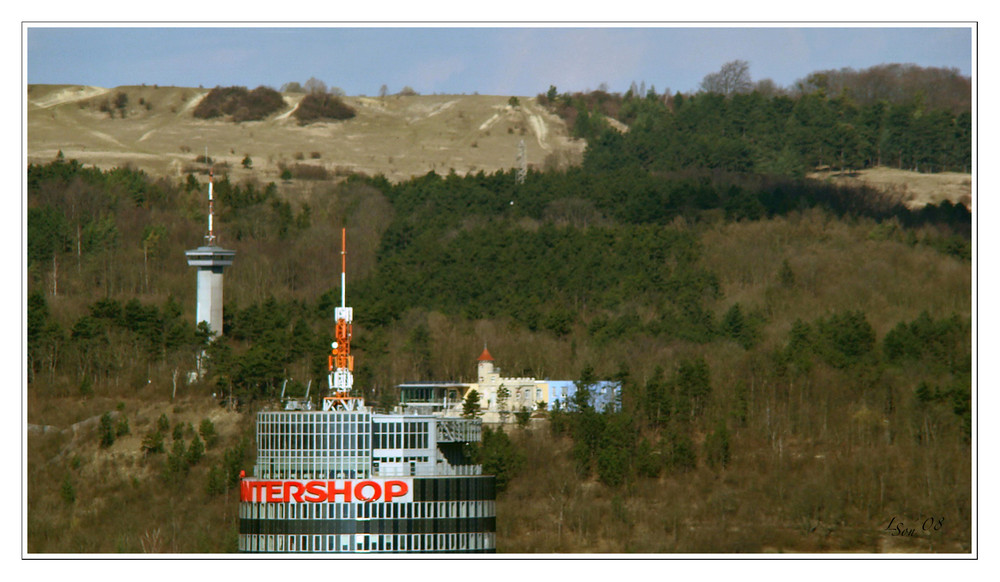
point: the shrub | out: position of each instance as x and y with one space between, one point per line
845 339
121 427
207 431
239 103
680 452
522 417
216 484
232 461
196 451
309 172
86 387
107 430
322 106
499 457
67 491
152 443
163 423
177 462
717 446
647 463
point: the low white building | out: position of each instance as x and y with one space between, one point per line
500 397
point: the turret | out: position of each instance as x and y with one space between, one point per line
485 365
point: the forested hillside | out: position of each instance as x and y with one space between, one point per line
778 134
795 356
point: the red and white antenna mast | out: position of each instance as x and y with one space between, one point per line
341 360
210 237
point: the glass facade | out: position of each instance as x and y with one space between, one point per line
297 445
304 456
450 514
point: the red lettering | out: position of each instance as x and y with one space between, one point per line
359 491
395 489
315 492
332 491
297 494
274 492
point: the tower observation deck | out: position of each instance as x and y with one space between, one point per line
210 260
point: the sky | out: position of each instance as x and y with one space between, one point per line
489 59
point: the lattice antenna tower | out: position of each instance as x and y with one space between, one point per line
522 164
341 361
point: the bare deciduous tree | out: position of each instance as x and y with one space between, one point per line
314 85
732 78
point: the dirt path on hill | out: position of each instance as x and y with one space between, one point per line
68 95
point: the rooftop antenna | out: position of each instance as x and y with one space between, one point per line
341 361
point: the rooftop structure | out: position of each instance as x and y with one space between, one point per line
346 479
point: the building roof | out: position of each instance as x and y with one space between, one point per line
485 356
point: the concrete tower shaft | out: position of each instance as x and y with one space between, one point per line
210 262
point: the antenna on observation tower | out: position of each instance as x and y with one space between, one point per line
210 260
210 237
341 361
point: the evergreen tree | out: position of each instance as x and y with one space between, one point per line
107 430
470 406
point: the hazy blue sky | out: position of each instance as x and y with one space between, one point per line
485 59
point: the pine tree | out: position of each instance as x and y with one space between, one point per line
471 407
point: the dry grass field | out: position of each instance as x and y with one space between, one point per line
913 188
397 136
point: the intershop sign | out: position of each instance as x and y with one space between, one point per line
327 491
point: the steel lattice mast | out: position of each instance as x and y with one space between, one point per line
341 361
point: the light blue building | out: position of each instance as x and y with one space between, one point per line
605 396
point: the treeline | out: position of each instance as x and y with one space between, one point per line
768 134
603 194
896 84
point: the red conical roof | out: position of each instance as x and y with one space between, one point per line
485 356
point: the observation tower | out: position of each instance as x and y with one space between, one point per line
210 260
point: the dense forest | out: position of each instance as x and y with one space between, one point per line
794 355
836 121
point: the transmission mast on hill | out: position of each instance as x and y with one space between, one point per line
522 164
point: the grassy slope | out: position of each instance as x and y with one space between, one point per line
397 136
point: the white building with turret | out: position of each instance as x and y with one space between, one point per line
500 397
